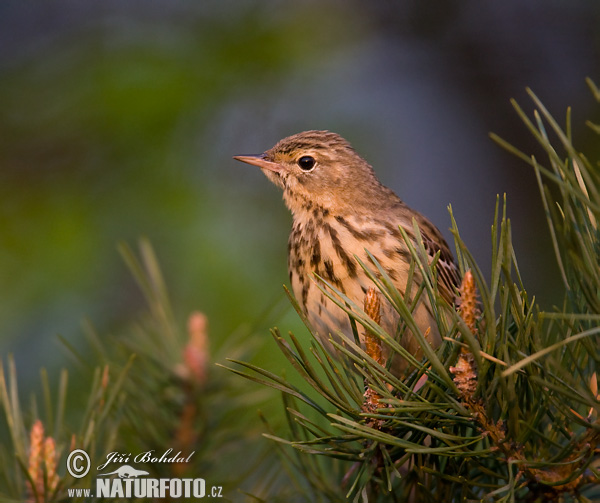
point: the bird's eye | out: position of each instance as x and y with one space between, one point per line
306 162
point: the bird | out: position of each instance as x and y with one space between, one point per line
340 210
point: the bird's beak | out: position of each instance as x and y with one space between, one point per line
260 161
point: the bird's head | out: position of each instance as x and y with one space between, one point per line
317 168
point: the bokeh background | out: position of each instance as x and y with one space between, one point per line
118 119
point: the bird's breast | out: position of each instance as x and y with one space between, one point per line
327 246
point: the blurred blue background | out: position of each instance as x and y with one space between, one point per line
118 119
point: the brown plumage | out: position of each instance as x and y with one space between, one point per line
339 209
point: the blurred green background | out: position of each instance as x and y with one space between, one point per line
118 119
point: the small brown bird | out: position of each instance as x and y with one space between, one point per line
339 209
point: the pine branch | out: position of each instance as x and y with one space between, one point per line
507 408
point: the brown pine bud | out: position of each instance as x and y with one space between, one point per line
34 466
50 462
469 308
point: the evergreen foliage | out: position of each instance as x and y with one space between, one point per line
153 388
505 410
